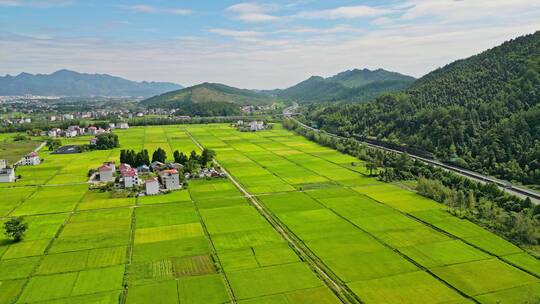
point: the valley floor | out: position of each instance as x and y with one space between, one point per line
211 243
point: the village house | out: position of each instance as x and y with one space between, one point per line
157 166
131 177
30 159
123 125
170 179
78 130
93 141
54 132
143 169
256 125
92 130
111 164
176 166
152 186
3 163
70 133
7 175
106 173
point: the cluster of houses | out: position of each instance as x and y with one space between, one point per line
251 126
169 177
7 174
74 131
13 121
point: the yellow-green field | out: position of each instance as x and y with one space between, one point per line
210 245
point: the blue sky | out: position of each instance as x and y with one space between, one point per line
257 44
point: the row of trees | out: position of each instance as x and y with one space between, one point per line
521 227
135 159
464 196
191 163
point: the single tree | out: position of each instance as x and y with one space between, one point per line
107 141
15 228
207 156
371 166
193 156
53 144
159 155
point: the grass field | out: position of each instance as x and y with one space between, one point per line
13 151
208 244
387 244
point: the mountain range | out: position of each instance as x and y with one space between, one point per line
349 86
70 83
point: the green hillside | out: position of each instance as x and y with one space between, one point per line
352 86
208 93
481 113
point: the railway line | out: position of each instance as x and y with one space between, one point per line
504 185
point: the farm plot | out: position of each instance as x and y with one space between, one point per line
256 260
356 224
208 243
13 151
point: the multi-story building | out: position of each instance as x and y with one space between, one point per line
30 159
170 179
152 186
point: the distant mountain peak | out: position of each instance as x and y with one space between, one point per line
66 82
351 85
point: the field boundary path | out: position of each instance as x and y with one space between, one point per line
344 294
503 185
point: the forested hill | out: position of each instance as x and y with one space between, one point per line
208 99
208 92
481 113
353 86
70 83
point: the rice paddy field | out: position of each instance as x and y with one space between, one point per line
210 244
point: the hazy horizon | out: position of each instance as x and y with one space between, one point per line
256 45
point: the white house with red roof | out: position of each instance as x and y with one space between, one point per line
130 176
92 130
152 186
30 159
106 173
170 179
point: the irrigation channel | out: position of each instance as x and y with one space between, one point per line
331 280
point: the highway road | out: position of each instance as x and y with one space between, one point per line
504 185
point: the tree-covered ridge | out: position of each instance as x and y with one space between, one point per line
481 113
353 86
208 92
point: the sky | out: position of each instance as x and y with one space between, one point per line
257 45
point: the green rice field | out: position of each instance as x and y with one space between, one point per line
210 244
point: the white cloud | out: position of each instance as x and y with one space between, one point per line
141 8
236 34
343 28
453 11
252 12
345 12
34 3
